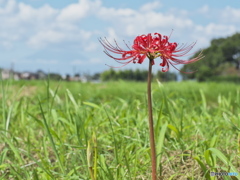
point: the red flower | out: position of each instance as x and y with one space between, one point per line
151 46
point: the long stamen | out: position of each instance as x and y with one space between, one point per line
151 46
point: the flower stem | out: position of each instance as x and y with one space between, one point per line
150 120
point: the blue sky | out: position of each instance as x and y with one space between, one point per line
62 35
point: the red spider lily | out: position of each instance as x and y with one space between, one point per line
151 46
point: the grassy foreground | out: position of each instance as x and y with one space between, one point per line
72 131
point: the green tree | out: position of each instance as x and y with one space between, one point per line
222 54
166 76
137 75
54 76
108 75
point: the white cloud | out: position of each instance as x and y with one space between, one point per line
91 46
231 14
112 35
53 36
40 27
10 6
204 9
204 34
15 15
150 6
132 22
21 21
43 38
112 14
213 29
75 12
30 14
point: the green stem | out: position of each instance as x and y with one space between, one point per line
150 120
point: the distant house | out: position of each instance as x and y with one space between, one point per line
41 74
28 75
25 75
16 76
76 77
5 73
84 79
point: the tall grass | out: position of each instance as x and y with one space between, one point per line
70 130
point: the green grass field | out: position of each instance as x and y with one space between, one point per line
72 130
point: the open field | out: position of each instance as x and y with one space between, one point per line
72 130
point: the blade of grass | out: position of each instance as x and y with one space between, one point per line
114 140
14 149
204 168
160 141
51 138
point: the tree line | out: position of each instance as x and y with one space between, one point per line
135 75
